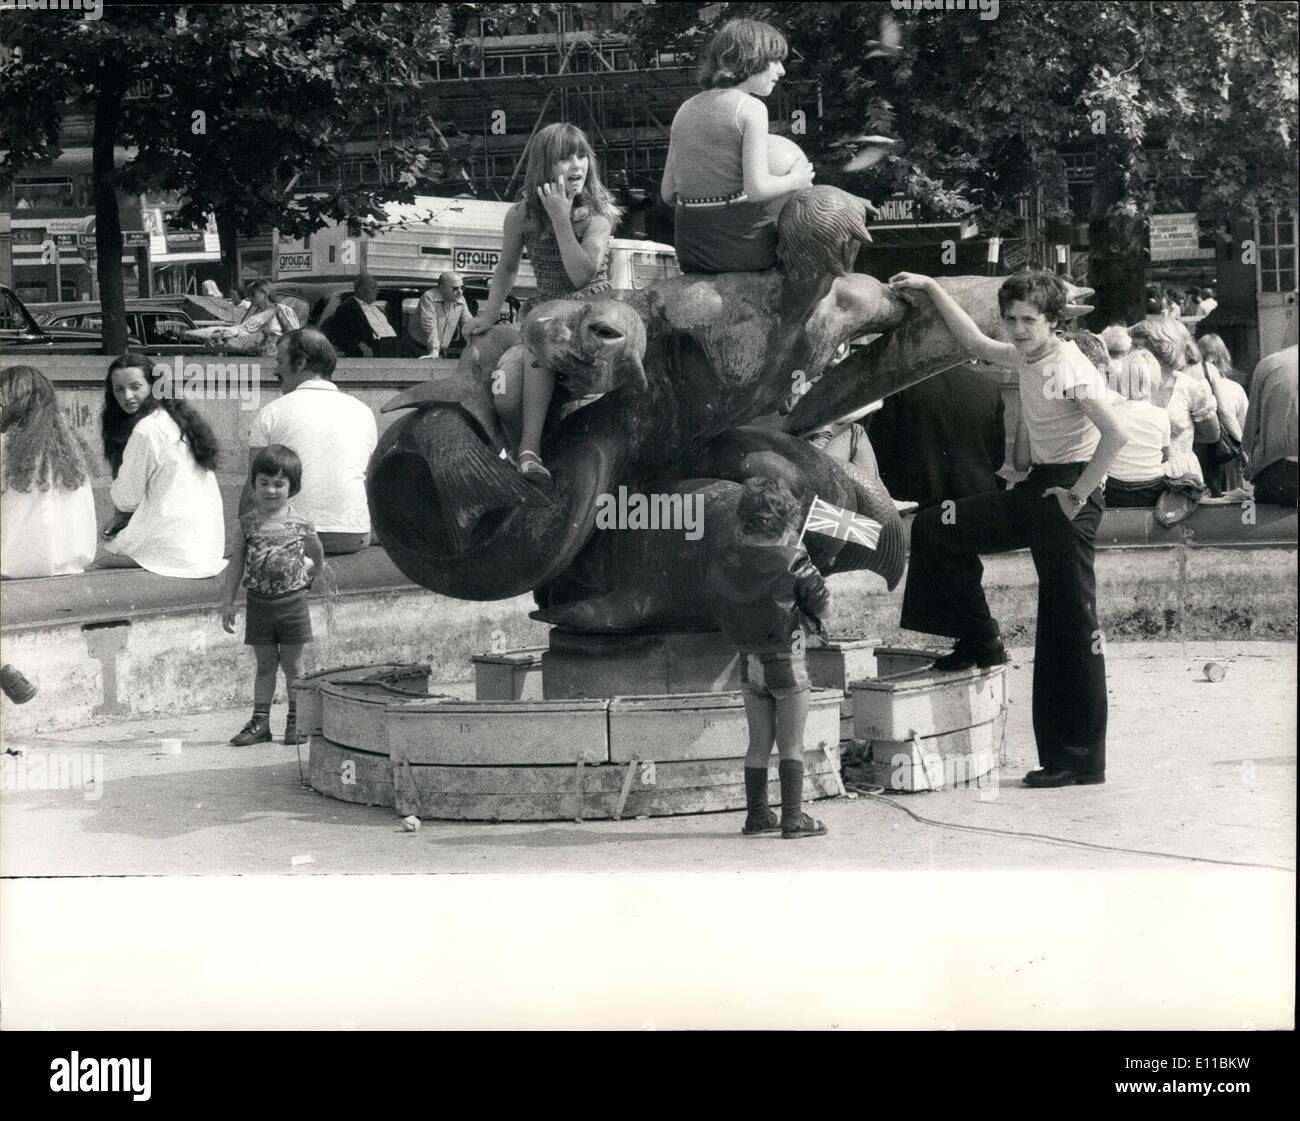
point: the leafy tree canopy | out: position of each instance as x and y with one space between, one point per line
1163 93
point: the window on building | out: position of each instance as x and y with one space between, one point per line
46 192
1277 252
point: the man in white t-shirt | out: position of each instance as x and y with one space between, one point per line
333 435
1207 302
1074 434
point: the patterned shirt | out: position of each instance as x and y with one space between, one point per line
275 562
553 281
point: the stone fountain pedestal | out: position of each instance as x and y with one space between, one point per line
599 727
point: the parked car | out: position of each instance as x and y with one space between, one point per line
154 328
205 311
400 302
19 331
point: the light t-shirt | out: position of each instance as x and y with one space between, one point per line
333 435
1050 388
1142 458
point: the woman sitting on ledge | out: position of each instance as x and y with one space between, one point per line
163 456
47 508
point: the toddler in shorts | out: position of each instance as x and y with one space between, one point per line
278 555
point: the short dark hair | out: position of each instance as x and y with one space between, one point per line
1044 291
275 460
766 507
311 350
743 48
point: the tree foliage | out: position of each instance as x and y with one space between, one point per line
241 101
1187 92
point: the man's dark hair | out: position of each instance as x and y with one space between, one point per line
275 460
1044 291
312 351
766 507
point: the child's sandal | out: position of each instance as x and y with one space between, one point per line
806 826
755 826
534 470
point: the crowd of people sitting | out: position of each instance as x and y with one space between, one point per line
1188 410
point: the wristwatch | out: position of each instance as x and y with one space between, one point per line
1075 500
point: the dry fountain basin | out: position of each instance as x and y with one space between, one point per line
378 737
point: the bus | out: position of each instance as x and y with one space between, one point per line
418 241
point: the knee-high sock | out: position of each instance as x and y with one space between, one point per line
791 772
756 789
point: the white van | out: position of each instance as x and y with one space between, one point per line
419 241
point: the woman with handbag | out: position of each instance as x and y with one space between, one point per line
1229 456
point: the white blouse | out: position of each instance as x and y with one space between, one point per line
177 528
46 532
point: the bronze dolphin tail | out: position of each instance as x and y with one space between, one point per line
459 521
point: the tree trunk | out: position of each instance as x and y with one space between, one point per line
108 220
1116 268
228 235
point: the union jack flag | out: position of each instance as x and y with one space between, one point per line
833 521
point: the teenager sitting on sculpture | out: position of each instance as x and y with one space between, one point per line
719 171
765 592
47 508
565 218
163 456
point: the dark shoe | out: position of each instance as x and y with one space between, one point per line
257 730
291 731
805 827
970 652
1044 777
765 821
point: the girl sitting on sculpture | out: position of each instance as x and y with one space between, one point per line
727 176
564 218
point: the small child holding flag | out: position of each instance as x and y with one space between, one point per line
765 592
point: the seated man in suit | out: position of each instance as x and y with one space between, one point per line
360 329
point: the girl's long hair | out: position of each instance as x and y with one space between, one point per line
547 147
116 425
42 449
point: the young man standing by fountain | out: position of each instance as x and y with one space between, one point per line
1074 434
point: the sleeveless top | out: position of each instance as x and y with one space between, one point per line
275 563
553 281
706 140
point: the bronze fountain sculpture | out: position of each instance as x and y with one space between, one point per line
682 367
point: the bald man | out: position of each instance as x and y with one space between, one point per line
442 313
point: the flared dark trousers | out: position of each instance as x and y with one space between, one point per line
945 596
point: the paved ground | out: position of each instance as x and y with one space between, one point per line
1197 771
